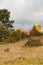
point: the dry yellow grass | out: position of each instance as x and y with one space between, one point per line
16 50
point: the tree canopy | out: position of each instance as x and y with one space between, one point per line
5 19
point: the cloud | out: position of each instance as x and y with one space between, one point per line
25 12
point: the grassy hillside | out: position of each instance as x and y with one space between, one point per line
16 54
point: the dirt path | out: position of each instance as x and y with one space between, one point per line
16 50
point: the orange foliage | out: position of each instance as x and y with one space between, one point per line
38 27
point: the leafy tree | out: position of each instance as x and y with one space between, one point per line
4 34
4 19
34 31
17 35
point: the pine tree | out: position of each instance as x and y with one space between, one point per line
5 19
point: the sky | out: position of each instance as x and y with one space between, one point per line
26 13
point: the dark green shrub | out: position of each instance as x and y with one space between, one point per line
33 43
11 40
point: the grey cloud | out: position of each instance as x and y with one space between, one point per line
25 13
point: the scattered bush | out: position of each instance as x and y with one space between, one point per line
33 43
11 36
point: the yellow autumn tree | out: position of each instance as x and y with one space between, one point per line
38 27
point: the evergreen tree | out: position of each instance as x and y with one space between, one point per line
4 19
